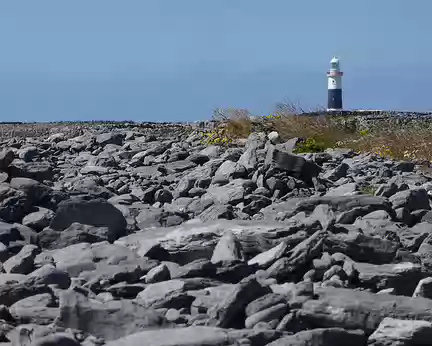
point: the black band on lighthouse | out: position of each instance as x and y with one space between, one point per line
334 99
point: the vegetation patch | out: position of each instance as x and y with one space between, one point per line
368 190
390 137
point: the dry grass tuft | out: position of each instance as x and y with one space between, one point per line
319 132
239 125
234 124
402 144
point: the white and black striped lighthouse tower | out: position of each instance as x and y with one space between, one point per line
334 76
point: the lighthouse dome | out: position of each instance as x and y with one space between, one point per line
334 63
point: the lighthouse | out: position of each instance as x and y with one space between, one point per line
334 76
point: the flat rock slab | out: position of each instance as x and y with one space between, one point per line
403 277
394 332
362 248
349 309
194 240
110 320
173 293
77 258
339 204
196 336
323 337
345 203
38 309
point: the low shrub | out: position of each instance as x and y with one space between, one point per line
368 190
310 145
217 136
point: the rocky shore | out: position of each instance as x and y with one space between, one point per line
149 238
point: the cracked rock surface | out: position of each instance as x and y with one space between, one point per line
131 238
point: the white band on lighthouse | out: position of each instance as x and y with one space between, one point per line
334 83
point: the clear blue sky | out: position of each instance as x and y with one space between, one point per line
170 60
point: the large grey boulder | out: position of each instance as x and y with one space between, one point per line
87 211
392 331
296 166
